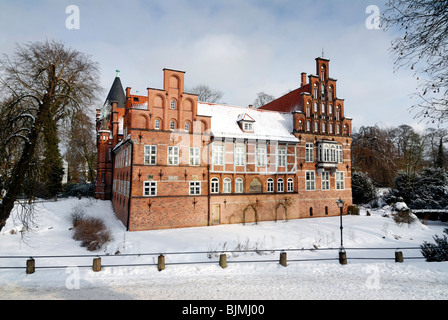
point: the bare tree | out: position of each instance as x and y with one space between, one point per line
422 47
206 94
42 82
262 99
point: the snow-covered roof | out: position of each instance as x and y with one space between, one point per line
268 125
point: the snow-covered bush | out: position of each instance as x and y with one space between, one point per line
437 251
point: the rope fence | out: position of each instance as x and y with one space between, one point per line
212 258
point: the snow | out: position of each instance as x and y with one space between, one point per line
268 125
316 279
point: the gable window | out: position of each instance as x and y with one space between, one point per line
149 188
195 188
214 185
195 156
248 126
227 185
150 155
173 155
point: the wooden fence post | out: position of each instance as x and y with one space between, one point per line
96 264
398 256
223 260
30 266
342 257
283 259
161 263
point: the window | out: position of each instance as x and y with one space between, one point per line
172 125
315 107
240 156
270 185
309 180
261 156
149 188
323 127
330 129
290 185
338 130
325 180
308 126
214 185
280 185
282 157
339 153
340 180
308 110
195 187
151 155
173 155
157 124
187 126
316 91
218 155
248 126
195 158
316 126
227 185
309 152
239 185
327 152
173 104
323 109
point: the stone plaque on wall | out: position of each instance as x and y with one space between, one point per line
255 185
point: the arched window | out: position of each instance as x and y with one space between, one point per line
227 185
157 124
316 126
173 104
270 185
300 125
187 126
323 127
308 110
322 73
239 185
172 125
330 128
214 185
280 185
308 126
316 91
290 185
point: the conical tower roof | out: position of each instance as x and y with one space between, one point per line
116 93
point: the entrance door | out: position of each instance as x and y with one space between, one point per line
216 214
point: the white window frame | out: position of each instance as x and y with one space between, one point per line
195 156
340 182
309 152
261 155
270 185
227 185
149 188
239 185
173 155
240 155
157 124
248 126
173 104
187 126
325 180
310 180
214 185
194 188
172 125
280 185
218 155
290 185
282 157
150 155
339 153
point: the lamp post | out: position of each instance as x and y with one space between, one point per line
342 255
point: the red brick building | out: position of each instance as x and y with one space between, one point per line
166 160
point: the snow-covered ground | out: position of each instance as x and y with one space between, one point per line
267 280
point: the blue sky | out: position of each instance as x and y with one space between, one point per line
239 47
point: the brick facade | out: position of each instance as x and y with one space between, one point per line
166 160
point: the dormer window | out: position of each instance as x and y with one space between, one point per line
246 122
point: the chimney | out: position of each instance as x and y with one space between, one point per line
303 83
